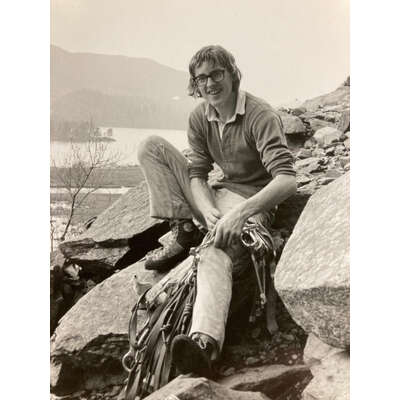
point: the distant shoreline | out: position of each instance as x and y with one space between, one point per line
112 178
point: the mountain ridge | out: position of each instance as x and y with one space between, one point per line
81 84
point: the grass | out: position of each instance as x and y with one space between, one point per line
127 176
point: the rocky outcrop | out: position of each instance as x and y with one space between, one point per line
119 236
330 368
312 276
336 100
201 389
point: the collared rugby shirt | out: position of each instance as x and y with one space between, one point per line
250 148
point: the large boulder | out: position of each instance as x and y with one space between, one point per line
292 124
330 368
91 338
312 276
189 388
326 136
119 236
272 380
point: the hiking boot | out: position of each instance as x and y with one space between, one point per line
185 235
193 355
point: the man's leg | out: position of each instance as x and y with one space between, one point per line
214 280
166 173
215 274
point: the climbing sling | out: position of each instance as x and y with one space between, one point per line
148 361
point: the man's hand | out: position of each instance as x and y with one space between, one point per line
229 228
211 216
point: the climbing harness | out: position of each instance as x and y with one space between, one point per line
148 361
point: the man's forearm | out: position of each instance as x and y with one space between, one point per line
202 194
278 190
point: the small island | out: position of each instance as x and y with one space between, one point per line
79 131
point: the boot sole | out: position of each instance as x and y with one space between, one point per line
189 358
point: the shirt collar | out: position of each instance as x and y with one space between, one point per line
211 112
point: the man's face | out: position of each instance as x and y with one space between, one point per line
215 93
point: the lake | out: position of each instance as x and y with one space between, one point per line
126 143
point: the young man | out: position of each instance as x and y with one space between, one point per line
243 135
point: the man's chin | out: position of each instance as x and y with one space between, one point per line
215 101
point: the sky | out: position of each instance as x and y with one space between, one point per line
286 49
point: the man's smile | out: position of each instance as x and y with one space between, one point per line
214 91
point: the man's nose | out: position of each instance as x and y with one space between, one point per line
210 81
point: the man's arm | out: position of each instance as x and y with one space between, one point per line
205 201
269 139
229 227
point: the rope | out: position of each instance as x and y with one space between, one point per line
148 360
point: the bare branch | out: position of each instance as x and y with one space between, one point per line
84 166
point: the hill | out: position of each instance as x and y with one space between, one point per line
117 91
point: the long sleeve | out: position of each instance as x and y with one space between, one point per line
199 157
271 144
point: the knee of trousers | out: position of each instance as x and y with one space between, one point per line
149 146
215 259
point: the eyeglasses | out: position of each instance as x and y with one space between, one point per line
216 75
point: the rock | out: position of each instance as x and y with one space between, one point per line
306 162
302 179
312 276
272 380
325 180
332 173
188 388
316 124
252 360
347 143
330 368
326 136
127 217
298 111
91 338
309 143
95 257
330 151
308 189
340 150
344 121
121 235
315 167
303 153
344 160
292 124
288 336
229 371
318 152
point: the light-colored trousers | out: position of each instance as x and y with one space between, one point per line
166 173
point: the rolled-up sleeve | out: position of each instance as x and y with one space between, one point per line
200 161
271 144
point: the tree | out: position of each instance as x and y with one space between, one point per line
83 167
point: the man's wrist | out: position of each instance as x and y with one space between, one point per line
243 212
